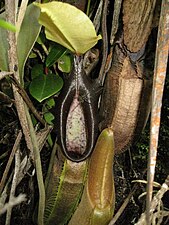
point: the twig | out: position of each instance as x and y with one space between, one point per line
21 14
14 185
13 67
4 195
115 21
97 18
5 174
122 208
45 49
3 74
27 162
27 100
158 86
155 202
6 99
17 5
2 9
159 216
105 42
88 7
15 201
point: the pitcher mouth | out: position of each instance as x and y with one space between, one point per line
78 126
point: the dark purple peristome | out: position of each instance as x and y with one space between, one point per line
77 104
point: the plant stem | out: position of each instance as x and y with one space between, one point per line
14 149
10 9
161 59
88 7
38 167
22 109
105 43
14 185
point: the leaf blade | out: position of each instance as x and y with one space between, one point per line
55 54
3 46
28 34
44 86
62 21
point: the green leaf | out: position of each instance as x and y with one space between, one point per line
3 47
65 63
44 86
28 34
48 116
36 71
32 55
34 120
7 26
50 103
41 38
68 26
55 54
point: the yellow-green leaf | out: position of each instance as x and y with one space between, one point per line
68 26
